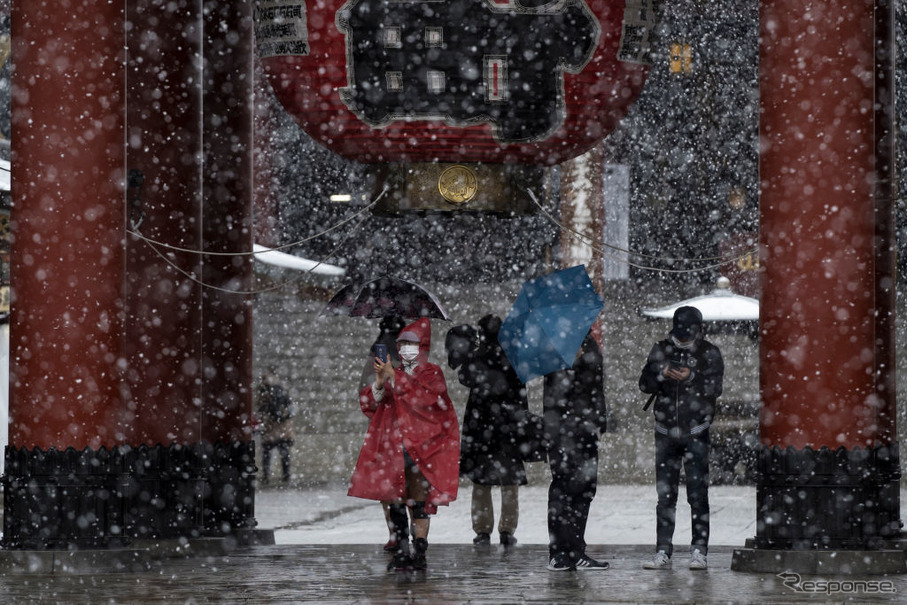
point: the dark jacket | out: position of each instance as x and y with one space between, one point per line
489 450
687 405
574 399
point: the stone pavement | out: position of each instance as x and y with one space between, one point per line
457 574
318 559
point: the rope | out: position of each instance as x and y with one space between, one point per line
276 286
285 246
156 245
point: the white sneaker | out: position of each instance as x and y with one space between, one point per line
661 560
698 560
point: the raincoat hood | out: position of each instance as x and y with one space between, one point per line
421 331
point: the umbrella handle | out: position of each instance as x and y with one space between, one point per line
649 402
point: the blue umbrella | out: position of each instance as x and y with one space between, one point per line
548 322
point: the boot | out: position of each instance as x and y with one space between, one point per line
403 560
420 545
399 522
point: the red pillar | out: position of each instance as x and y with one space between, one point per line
829 469
227 150
164 159
131 359
67 227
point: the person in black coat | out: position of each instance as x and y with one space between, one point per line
489 451
575 416
685 375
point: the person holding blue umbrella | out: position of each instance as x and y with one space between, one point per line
548 333
575 416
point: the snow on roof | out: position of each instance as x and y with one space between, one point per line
720 305
5 179
288 261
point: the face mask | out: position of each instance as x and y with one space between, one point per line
409 352
681 344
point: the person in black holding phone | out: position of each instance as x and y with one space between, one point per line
685 373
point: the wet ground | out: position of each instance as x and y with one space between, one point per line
456 574
328 550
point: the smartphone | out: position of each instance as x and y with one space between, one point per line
678 360
381 353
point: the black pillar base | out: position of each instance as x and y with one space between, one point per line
826 512
827 499
142 556
104 498
820 562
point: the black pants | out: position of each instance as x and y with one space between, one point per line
692 452
574 481
283 448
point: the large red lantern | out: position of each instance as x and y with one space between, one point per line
435 81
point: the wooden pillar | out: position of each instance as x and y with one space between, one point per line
828 470
131 328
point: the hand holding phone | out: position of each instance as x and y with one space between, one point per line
678 360
381 353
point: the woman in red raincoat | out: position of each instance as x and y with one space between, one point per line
411 452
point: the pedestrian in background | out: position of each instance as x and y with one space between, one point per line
412 447
684 374
489 450
575 416
275 410
395 515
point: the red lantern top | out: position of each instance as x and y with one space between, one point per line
455 80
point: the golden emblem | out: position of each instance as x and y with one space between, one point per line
457 184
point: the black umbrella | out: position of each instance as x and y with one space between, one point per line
383 297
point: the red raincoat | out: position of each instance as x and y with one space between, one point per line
415 413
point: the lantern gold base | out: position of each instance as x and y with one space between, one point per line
502 189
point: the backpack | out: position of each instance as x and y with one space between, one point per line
278 407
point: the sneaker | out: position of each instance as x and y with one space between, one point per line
698 560
508 539
482 540
661 560
561 562
586 563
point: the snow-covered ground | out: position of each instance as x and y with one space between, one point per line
621 514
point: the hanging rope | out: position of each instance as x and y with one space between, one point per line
274 287
156 246
252 253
